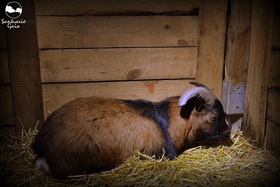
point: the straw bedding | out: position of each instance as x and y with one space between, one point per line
241 164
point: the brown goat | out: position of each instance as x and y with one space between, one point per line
94 134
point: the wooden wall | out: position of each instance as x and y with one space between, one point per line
144 49
273 100
258 69
261 112
119 49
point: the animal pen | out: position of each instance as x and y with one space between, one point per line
62 50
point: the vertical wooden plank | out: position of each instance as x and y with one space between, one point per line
23 59
273 105
276 27
211 43
276 33
238 41
272 136
258 68
274 70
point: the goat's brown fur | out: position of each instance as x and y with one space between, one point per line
94 134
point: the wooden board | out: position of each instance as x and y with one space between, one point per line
272 136
117 31
6 106
4 69
117 64
274 70
23 58
273 106
258 69
211 43
109 7
56 95
276 33
238 41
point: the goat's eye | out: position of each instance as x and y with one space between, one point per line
213 118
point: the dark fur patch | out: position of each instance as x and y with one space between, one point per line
218 108
188 108
158 112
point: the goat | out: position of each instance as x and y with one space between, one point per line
95 134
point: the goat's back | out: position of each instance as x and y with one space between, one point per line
94 134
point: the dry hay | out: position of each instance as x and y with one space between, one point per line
241 164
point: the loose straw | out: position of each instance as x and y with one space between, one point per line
241 164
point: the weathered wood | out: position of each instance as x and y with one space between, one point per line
272 136
6 106
238 41
56 95
274 70
117 64
4 69
22 53
112 7
211 43
117 31
258 69
273 106
276 34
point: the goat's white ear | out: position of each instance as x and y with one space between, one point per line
193 92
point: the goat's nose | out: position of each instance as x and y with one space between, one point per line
226 133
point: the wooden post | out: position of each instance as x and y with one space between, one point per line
23 59
238 41
211 43
258 68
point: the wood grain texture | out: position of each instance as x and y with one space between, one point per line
258 69
117 31
56 95
211 44
238 41
109 7
117 64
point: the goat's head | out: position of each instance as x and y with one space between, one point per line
205 115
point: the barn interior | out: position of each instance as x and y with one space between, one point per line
56 51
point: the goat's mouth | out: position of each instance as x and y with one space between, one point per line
218 139
223 139
224 136
212 140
